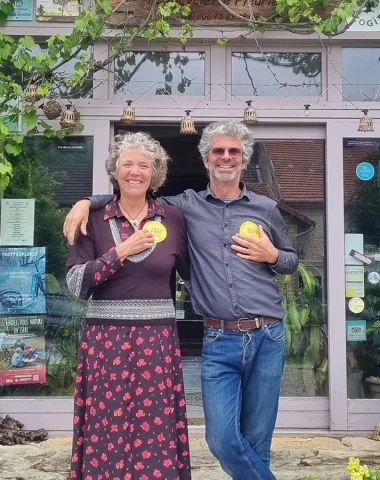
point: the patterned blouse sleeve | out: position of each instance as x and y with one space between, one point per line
182 263
84 271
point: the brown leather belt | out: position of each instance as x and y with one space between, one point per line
242 325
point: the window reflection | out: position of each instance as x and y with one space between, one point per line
255 74
360 66
160 73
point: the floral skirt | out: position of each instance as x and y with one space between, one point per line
130 418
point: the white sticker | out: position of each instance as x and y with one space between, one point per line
356 305
374 277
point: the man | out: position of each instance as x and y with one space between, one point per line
233 286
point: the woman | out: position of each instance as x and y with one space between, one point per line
130 414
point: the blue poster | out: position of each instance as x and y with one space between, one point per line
22 281
23 11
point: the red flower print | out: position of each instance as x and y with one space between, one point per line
139 466
177 388
80 402
97 276
140 414
141 363
114 428
145 426
113 376
84 346
108 344
168 359
104 457
100 477
80 441
150 441
146 454
73 474
185 453
167 411
152 339
124 374
137 442
146 375
126 396
139 340
120 440
94 462
182 403
75 457
143 477
92 411
158 421
126 346
105 422
172 444
76 419
168 462
110 447
157 473
120 465
160 438
108 394
177 352
91 351
127 448
139 391
118 388
117 361
133 377
107 474
183 438
147 402
165 332
102 406
127 476
78 379
151 389
88 401
131 355
161 386
158 370
148 352
118 412
89 450
168 382
94 438
101 355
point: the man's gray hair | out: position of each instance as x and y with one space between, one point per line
150 147
230 129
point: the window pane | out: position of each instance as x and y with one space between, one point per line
47 320
173 73
360 66
362 268
251 75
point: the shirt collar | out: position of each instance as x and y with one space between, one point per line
112 209
243 192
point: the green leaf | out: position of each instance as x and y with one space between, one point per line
13 149
27 41
30 116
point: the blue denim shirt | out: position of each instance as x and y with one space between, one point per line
223 285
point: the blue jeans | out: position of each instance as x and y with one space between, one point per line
241 378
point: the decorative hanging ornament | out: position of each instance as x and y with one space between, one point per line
365 123
250 116
30 94
68 118
187 125
129 114
52 109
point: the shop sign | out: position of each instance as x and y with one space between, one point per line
22 281
54 11
365 171
367 22
354 281
359 142
17 222
22 350
203 12
356 330
70 147
23 11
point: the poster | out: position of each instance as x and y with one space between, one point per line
22 281
17 221
57 10
353 241
354 281
23 11
22 350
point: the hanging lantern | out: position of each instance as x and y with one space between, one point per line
250 116
129 114
52 109
187 125
366 123
30 94
68 118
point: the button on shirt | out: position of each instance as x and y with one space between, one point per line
223 285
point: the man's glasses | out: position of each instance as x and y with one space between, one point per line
232 152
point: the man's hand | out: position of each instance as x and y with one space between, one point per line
255 249
77 216
136 243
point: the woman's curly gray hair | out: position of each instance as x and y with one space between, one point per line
230 129
150 147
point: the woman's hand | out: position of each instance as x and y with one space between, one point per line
136 243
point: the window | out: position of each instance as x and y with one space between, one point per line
254 74
361 71
160 73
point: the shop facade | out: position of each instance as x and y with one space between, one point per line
308 94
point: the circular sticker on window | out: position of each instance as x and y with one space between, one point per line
374 277
249 229
158 231
365 171
356 305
